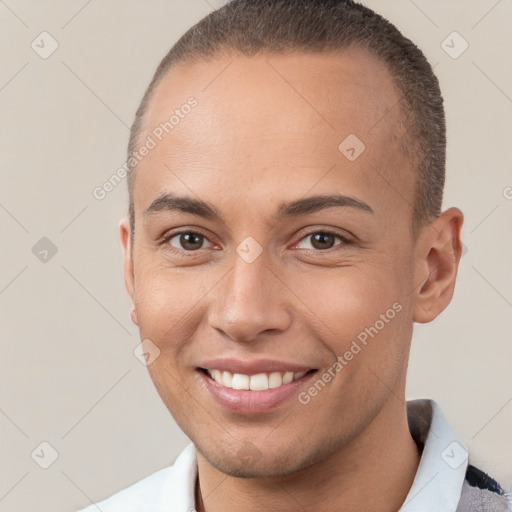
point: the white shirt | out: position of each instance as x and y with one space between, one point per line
437 485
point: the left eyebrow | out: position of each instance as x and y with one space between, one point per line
171 202
307 205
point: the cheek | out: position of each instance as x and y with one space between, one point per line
165 298
361 316
350 299
173 391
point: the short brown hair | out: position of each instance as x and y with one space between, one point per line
278 26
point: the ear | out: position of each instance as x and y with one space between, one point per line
438 252
129 280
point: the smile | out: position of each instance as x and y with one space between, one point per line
258 382
252 387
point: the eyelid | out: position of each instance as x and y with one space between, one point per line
166 237
346 239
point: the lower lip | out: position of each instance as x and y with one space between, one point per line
252 402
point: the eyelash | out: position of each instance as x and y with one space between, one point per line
166 238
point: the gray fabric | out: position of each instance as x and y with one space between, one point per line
474 499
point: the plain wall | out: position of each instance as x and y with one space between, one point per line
68 375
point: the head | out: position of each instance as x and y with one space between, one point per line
293 208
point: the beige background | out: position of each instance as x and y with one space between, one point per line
68 373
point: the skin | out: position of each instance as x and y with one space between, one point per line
266 131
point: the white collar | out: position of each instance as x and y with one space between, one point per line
438 482
437 486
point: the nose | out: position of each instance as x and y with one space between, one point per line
249 301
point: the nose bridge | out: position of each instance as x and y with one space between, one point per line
250 300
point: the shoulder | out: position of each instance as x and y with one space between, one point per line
148 494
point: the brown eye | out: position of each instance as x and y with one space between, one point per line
187 240
322 240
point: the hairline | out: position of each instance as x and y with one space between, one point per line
407 143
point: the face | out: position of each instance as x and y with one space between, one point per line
265 249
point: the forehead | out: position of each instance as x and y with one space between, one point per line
273 117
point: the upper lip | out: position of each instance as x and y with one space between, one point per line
253 367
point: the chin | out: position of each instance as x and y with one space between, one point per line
250 462
261 469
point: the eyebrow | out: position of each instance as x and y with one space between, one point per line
308 205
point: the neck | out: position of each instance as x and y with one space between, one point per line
373 472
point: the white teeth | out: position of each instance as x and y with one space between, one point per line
227 379
216 375
288 377
258 382
240 381
275 380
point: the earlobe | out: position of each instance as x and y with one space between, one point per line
128 271
133 315
439 250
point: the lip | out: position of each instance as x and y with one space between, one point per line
253 367
252 402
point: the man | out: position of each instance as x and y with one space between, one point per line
285 232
